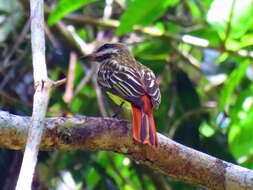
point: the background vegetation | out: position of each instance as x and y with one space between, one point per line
201 52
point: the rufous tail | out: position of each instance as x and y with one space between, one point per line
144 129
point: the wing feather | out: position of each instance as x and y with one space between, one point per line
122 81
152 88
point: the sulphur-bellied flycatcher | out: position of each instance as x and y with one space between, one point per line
120 74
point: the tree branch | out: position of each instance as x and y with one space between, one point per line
41 96
96 133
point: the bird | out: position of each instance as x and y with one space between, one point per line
120 74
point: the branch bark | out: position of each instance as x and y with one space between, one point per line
96 133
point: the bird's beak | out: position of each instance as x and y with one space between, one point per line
88 58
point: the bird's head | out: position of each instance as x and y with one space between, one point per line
108 51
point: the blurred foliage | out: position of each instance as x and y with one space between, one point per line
201 52
151 10
64 7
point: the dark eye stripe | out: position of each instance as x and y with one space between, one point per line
103 57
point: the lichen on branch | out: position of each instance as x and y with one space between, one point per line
109 134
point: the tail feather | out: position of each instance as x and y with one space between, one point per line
136 122
153 136
144 129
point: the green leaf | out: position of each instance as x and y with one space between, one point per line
206 130
142 12
207 33
92 177
219 16
64 7
153 54
240 135
76 105
233 80
194 9
4 12
245 40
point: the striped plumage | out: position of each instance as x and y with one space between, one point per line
120 74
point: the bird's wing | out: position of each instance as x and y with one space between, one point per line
123 81
151 86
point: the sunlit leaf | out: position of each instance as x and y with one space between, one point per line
240 131
76 105
141 12
64 7
233 80
219 17
206 130
194 9
245 40
92 177
207 33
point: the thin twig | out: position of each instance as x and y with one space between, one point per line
71 76
188 58
106 16
59 82
100 35
100 102
186 115
41 96
85 47
62 32
8 75
20 39
86 79
51 38
13 100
